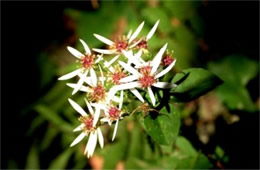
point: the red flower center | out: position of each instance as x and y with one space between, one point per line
114 112
117 76
167 60
88 61
121 45
98 93
146 80
142 44
89 123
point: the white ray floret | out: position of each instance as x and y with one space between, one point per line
86 67
88 128
113 44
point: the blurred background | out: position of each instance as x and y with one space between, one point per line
218 130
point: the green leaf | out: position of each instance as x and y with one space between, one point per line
236 71
32 161
61 161
185 146
235 68
164 127
53 117
193 83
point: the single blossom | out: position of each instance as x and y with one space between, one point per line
142 42
144 75
87 61
114 113
117 46
88 128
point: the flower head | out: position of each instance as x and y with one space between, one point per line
88 128
87 61
117 46
114 113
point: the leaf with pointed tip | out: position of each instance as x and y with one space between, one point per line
193 83
163 127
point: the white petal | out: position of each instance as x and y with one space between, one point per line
135 44
166 70
80 82
128 86
102 51
129 34
93 144
93 77
121 99
78 139
151 95
105 119
150 34
77 108
75 52
70 75
128 79
100 57
96 116
115 130
79 128
100 138
138 56
89 144
82 88
111 69
131 57
157 59
135 34
116 99
89 107
102 75
88 81
137 94
85 46
104 40
107 64
128 68
164 85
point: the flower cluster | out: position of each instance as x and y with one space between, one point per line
105 83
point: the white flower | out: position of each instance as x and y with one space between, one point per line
87 61
118 74
144 75
88 128
114 113
142 42
97 93
122 43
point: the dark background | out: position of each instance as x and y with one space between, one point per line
29 27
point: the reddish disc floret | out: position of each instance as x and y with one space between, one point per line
142 44
89 123
98 93
167 60
114 113
87 61
117 76
146 80
121 45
